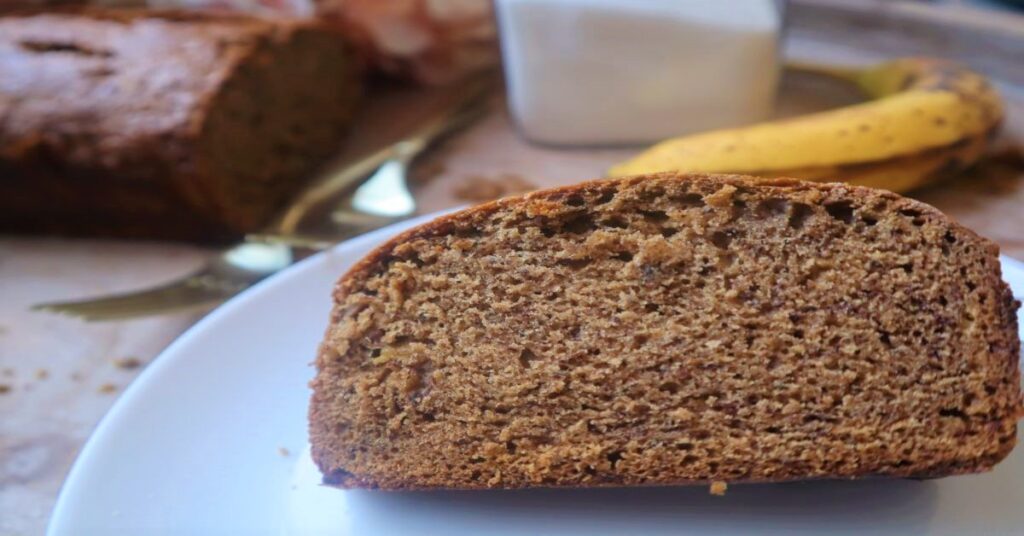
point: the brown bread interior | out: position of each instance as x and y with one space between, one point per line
670 329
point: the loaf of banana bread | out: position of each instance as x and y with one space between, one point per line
670 329
163 125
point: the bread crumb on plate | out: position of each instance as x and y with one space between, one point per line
127 363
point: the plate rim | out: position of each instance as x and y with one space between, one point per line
59 521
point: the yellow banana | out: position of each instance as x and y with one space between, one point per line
928 118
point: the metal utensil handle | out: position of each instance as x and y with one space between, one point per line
323 190
467 108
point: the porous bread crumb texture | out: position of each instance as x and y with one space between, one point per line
670 329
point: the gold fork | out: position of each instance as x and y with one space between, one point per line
382 197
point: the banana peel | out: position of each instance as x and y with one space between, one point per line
927 119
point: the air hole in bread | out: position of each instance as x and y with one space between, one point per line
721 239
467 232
953 412
615 222
669 387
739 208
526 357
840 210
655 216
916 216
575 264
605 197
799 214
771 207
575 201
651 193
690 200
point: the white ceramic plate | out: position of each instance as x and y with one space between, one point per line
194 447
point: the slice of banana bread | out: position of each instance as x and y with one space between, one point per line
670 329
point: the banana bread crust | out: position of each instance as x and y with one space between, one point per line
798 399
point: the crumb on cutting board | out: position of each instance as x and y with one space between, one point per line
107 388
127 363
42 374
718 488
478 188
284 452
4 388
76 376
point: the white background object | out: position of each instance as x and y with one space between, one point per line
599 72
193 447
